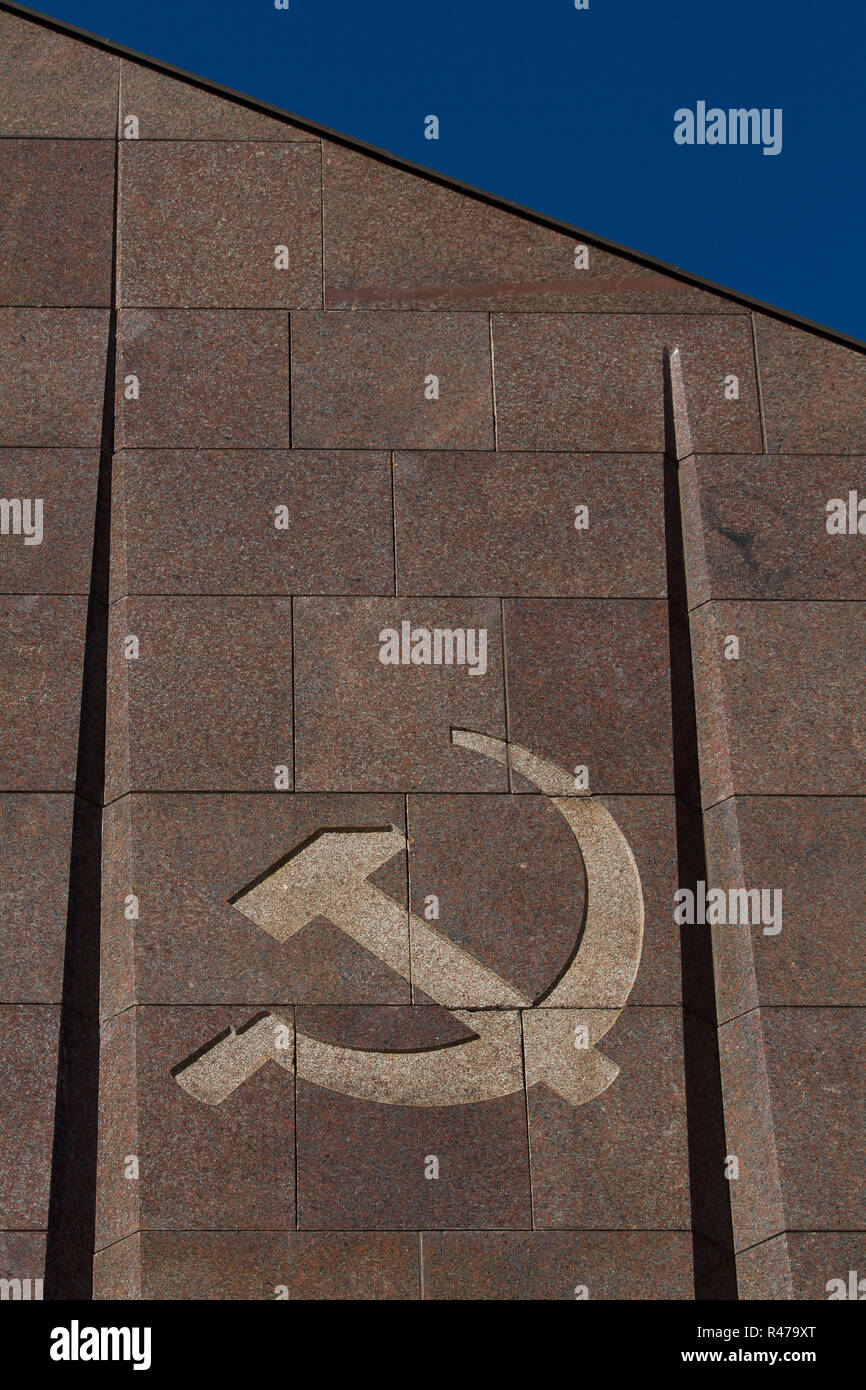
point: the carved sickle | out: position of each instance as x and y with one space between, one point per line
606 958
589 995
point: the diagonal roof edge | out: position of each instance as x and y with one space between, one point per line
432 176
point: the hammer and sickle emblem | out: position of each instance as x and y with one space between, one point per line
552 1039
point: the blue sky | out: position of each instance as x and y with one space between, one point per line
571 112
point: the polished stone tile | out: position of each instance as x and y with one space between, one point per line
176 250
56 233
273 1265
650 825
217 379
508 524
589 686
207 703
822 1265
362 380
54 85
28 1062
812 391
40 691
22 1258
35 849
364 726
784 717
52 374
757 528
808 849
47 540
619 1162
756 1201
200 1167
814 1063
508 878
797 1134
568 1266
251 522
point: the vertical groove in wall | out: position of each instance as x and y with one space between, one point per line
72 1197
714 1266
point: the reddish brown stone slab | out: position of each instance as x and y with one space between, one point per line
396 239
52 373
808 848
54 85
117 1269
361 1164
35 845
509 879
800 1145
814 1060
350 1264
758 528
815 1265
764 1271
227 1168
206 379
364 726
572 1265
785 717
171 109
185 858
589 685
621 1160
40 691
22 1258
65 483
812 391
200 224
569 381
278 1265
56 234
359 381
506 524
187 522
208 703
28 1061
756 1201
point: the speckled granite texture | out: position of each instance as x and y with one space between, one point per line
309 464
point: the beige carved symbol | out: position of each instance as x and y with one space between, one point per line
554 1038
